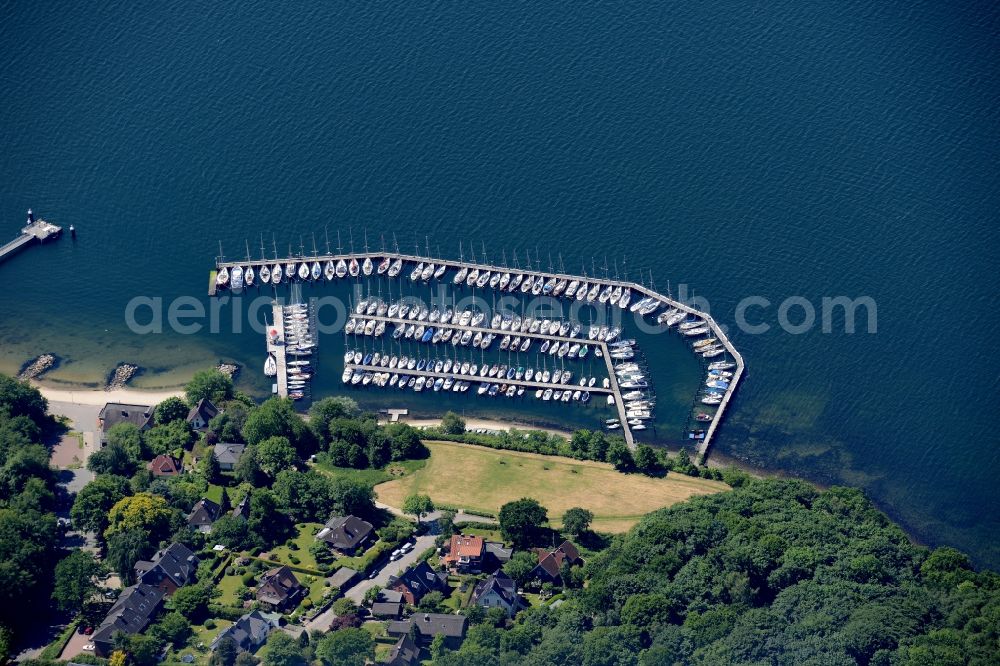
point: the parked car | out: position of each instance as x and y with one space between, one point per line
89 647
407 547
396 554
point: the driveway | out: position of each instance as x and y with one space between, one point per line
75 646
357 593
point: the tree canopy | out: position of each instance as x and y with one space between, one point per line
211 384
774 571
521 521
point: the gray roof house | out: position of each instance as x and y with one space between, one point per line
131 613
228 454
429 625
242 510
203 515
250 631
497 591
201 414
346 534
114 413
173 567
404 653
387 609
343 578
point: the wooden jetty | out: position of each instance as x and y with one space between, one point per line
638 289
35 230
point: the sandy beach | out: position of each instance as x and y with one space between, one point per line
98 397
488 424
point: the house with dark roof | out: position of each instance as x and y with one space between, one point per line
203 515
280 590
131 613
497 591
228 454
114 413
387 610
417 581
346 534
173 567
428 625
165 465
242 510
201 414
473 554
250 631
404 653
550 563
343 578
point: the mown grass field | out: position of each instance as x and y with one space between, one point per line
480 478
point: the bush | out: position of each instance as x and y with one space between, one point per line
293 559
307 603
210 623
230 571
248 579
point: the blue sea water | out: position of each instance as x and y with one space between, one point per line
743 149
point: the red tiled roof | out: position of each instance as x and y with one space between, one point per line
465 546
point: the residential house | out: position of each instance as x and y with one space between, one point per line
165 465
131 613
385 610
346 534
250 631
343 578
417 581
173 567
242 510
203 515
473 554
280 590
550 563
390 596
497 591
228 454
201 414
404 653
114 413
429 625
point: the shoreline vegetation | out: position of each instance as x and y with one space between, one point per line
680 568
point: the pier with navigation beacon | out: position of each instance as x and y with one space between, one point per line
557 343
34 231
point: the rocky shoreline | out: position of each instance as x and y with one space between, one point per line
38 366
228 369
120 377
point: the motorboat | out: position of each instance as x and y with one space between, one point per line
236 277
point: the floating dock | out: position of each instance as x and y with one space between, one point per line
717 331
35 230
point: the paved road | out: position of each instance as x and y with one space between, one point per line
357 593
